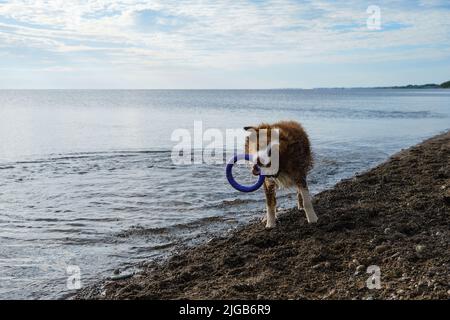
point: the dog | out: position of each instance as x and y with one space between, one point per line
293 147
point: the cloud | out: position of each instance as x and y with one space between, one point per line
219 34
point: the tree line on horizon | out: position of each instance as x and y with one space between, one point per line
444 85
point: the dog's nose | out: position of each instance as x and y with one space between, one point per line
256 171
258 161
262 163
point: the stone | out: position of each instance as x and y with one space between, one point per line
359 269
420 248
381 248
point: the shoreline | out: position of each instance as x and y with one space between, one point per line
394 216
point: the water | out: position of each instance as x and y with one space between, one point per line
86 177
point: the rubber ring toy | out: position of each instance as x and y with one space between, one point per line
234 183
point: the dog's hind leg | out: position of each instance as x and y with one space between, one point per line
271 203
304 201
299 200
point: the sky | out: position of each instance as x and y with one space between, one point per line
193 44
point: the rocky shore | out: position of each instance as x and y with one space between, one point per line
394 218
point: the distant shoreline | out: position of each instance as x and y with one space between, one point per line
445 85
413 87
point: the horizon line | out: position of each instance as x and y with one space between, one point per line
211 89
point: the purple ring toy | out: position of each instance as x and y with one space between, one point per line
234 183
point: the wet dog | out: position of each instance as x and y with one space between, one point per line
294 160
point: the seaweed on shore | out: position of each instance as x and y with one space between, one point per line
395 216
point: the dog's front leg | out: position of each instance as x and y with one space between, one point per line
271 203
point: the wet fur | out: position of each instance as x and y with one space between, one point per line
295 161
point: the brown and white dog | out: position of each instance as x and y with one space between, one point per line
294 162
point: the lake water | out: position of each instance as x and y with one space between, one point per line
86 177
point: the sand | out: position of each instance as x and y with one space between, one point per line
395 218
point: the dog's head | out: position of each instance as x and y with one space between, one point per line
265 144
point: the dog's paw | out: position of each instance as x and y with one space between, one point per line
264 218
311 215
270 225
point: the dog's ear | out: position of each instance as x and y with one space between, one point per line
249 128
